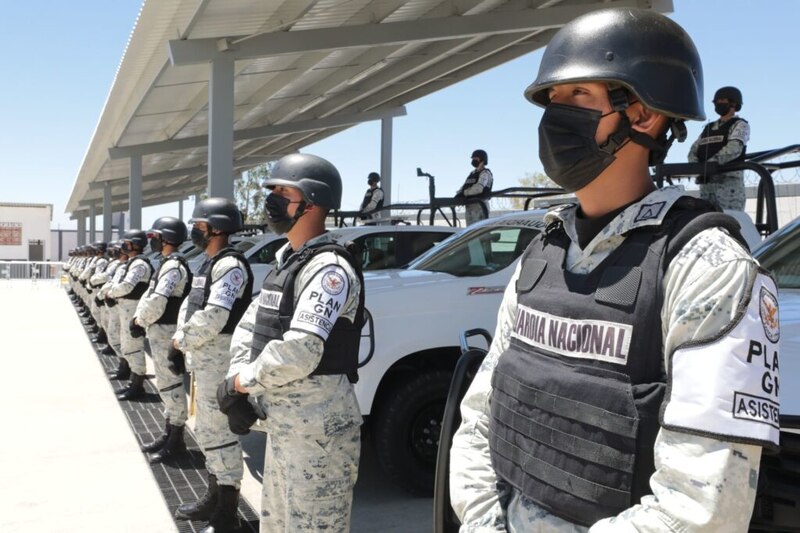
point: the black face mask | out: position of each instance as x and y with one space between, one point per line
278 219
721 108
156 245
476 162
199 238
569 153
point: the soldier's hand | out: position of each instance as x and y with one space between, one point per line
136 330
111 302
176 362
98 301
241 415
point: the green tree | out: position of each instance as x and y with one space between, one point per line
250 193
532 179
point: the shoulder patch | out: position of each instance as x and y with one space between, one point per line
649 211
225 290
322 302
768 310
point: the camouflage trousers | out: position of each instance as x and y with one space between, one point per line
725 191
170 386
111 325
220 445
132 349
474 213
308 482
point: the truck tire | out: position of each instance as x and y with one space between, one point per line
407 430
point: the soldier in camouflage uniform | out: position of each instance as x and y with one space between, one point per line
634 362
221 291
112 326
723 141
157 313
126 293
295 357
100 281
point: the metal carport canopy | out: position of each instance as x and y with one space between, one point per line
300 71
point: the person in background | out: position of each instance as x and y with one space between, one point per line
477 187
723 141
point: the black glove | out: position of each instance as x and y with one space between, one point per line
111 302
176 363
136 330
99 302
241 415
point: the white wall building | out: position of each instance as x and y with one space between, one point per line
25 231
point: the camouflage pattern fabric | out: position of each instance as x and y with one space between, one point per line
318 415
701 484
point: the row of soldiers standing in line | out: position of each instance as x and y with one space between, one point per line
292 351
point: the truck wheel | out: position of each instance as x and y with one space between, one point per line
407 430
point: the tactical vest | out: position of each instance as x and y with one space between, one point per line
576 396
170 315
472 179
368 199
276 304
98 270
201 290
143 284
712 142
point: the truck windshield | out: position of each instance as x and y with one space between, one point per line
477 253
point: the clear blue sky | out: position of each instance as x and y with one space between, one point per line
60 58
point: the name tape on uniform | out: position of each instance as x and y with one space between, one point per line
322 301
581 339
270 299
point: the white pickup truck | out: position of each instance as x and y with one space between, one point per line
418 315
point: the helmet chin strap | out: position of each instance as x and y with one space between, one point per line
625 133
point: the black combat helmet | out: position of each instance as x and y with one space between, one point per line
100 246
482 155
315 177
170 229
645 52
732 94
373 177
137 237
219 213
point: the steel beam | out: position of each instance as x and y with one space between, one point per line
220 127
119 152
92 216
107 212
81 228
190 51
135 192
386 159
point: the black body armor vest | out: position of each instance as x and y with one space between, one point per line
576 397
170 315
201 290
712 142
276 309
368 199
472 179
143 284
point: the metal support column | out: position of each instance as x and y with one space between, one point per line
180 209
220 127
135 192
386 159
81 229
92 216
107 212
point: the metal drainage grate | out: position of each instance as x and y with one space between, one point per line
182 480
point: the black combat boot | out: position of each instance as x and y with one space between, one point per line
135 388
101 337
92 328
203 508
225 518
123 371
108 350
159 443
174 446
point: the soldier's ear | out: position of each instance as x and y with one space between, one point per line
646 120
